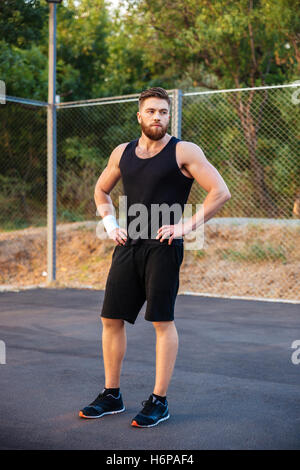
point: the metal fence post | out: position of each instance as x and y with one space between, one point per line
51 150
176 113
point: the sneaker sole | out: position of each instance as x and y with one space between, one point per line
81 415
136 425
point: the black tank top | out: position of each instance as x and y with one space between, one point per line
156 180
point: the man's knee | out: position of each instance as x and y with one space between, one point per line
163 325
113 323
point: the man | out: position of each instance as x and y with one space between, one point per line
155 169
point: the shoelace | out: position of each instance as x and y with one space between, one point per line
148 405
95 402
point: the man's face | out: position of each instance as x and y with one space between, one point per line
153 117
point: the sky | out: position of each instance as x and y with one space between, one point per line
114 3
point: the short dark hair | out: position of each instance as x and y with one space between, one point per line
155 92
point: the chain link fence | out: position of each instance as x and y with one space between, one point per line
251 136
23 190
86 135
252 247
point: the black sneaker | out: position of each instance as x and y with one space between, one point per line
104 404
154 412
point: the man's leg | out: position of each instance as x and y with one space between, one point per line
114 348
156 407
166 352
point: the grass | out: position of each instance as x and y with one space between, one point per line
199 254
11 225
84 229
67 216
255 252
13 222
19 224
85 267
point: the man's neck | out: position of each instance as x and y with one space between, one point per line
150 145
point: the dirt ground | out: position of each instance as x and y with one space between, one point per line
258 261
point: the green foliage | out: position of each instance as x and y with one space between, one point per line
212 122
235 43
199 254
82 151
213 43
65 215
24 71
254 253
283 25
82 29
21 22
170 43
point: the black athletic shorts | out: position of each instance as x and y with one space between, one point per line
143 272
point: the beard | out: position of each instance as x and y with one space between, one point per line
154 133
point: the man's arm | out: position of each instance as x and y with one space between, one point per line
106 182
207 176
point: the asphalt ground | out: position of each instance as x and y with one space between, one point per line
234 384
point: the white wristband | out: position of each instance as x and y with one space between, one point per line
110 223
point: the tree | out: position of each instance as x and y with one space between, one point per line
22 22
231 42
82 30
283 22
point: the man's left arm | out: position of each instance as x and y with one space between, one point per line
208 177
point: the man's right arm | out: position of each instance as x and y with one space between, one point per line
106 182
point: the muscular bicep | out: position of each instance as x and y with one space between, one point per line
111 173
206 175
108 179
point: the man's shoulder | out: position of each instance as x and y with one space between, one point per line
117 152
184 144
121 147
187 151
